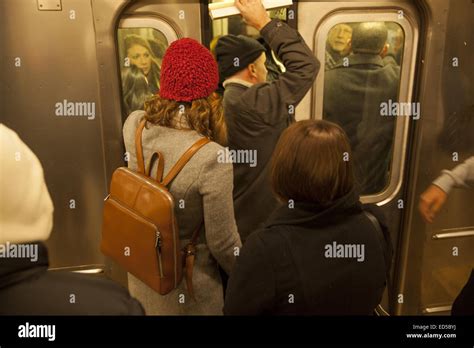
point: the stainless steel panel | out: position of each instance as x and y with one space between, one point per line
56 50
311 16
433 271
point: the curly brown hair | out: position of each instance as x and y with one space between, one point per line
204 115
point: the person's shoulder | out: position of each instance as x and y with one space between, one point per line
215 157
257 240
132 121
104 296
334 74
392 70
211 151
268 238
235 94
113 297
374 210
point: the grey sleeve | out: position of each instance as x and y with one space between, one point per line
215 186
460 176
129 129
269 100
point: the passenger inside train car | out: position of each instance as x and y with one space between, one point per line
135 89
395 41
338 44
136 50
26 221
355 90
319 253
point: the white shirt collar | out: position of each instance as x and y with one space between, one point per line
237 80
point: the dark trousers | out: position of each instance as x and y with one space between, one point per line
464 303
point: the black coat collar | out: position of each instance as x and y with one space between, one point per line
362 59
14 269
316 215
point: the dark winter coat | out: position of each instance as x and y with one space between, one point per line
28 288
286 268
464 302
256 116
352 98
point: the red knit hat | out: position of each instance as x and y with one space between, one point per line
188 72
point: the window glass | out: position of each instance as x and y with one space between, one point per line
361 84
236 26
141 52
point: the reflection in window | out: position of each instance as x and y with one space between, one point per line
361 79
141 52
338 44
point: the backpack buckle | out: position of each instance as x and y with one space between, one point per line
189 250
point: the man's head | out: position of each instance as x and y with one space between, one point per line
242 57
255 72
369 38
339 38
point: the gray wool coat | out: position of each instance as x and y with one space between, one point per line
202 190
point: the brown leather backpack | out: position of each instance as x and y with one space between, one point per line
140 231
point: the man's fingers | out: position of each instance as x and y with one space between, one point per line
436 206
239 5
423 208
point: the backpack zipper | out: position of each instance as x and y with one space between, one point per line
158 251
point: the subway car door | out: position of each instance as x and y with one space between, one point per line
327 27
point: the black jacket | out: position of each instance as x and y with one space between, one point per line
464 302
352 99
285 268
28 288
256 117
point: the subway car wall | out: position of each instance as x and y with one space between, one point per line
62 72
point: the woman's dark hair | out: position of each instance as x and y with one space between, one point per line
312 162
135 89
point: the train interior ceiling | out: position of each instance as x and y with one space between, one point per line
60 51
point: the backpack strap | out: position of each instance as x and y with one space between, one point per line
159 173
385 249
188 261
139 147
159 169
183 160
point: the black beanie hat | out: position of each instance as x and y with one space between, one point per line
234 53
